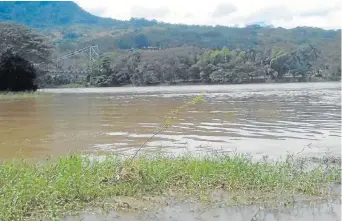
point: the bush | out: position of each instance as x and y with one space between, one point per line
16 73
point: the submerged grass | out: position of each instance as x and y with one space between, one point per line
20 95
70 183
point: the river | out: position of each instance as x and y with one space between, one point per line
272 119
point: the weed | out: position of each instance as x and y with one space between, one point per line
73 182
20 95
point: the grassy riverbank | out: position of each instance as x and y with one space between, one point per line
73 182
20 95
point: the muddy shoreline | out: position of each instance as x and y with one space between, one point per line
187 210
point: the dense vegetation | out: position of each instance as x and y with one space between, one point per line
20 49
193 65
24 41
16 73
181 53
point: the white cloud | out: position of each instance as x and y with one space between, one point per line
288 14
149 13
223 10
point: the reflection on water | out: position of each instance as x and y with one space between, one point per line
328 211
259 119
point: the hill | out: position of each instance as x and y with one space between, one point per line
186 52
48 14
69 25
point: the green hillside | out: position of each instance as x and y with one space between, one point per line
211 54
48 14
69 25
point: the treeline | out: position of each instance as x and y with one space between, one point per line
139 33
256 54
188 65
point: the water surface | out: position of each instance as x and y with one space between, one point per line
271 119
327 211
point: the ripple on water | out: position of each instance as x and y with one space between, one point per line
266 119
116 133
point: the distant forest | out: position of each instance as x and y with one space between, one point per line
143 52
156 53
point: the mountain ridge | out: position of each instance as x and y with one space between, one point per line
180 52
42 14
71 27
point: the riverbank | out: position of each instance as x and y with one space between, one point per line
16 95
190 83
301 209
76 182
21 95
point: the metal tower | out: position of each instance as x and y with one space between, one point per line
92 51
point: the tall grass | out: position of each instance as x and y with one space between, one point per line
20 95
73 182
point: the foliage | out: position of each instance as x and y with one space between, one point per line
28 190
233 55
21 95
163 36
16 73
132 40
61 80
193 65
25 42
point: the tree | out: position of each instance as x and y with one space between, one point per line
133 62
16 73
30 45
194 72
182 72
217 76
21 40
122 77
106 69
141 41
280 63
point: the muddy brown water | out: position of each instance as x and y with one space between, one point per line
271 119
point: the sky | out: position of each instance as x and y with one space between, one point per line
325 14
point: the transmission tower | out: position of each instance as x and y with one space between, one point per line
93 53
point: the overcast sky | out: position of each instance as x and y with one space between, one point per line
284 13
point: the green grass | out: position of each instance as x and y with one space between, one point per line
73 182
20 95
